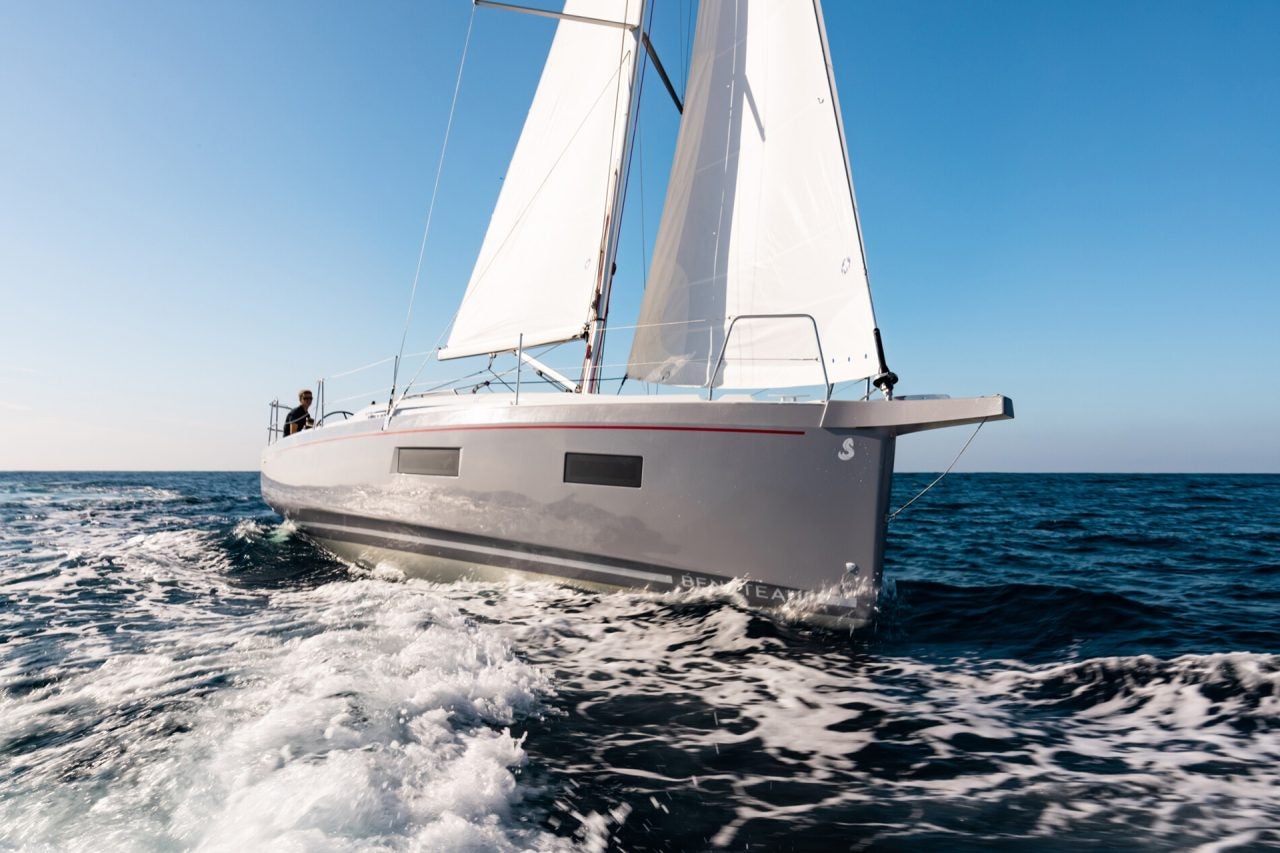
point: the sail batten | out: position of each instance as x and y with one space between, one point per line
760 216
541 259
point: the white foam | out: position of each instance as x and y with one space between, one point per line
804 711
250 530
352 716
381 713
283 532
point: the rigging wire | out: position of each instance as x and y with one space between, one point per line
460 381
686 30
435 348
896 512
370 365
422 248
481 272
644 259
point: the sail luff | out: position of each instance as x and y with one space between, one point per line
844 147
760 216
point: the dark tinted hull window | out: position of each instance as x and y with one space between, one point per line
602 469
437 461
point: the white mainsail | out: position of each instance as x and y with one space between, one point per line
541 259
760 216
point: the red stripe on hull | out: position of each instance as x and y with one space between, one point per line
740 430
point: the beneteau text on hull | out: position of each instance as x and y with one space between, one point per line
758 281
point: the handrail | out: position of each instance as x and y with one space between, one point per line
822 362
275 429
273 419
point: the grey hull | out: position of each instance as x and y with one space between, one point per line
789 500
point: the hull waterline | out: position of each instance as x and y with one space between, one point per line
787 501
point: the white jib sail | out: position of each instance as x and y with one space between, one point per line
541 258
760 215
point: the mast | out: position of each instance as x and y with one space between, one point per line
599 311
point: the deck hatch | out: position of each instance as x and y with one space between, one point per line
603 469
435 461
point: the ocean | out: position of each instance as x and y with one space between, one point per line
1062 662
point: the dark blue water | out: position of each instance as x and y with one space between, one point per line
1063 662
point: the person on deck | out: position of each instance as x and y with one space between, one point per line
299 418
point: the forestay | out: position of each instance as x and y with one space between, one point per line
541 258
760 215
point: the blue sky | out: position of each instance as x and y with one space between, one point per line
204 206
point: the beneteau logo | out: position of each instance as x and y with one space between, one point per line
846 451
751 589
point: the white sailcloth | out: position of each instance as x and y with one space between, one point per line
541 257
760 215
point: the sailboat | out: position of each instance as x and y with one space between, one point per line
758 281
